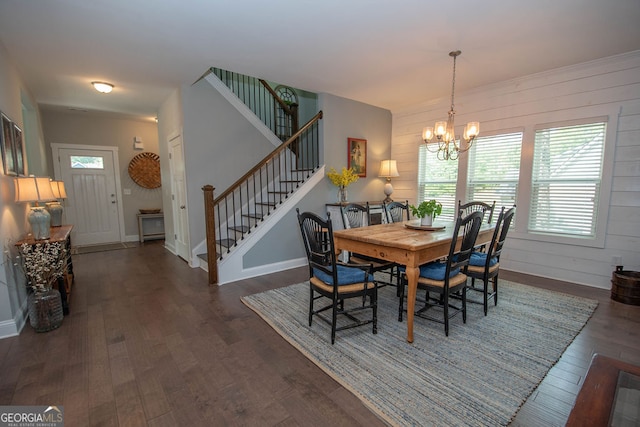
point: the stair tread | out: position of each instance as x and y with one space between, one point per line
266 203
253 215
240 228
227 243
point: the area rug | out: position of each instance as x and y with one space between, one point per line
102 248
480 375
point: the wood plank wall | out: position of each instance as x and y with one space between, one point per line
609 86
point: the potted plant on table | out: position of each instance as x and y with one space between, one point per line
342 181
427 211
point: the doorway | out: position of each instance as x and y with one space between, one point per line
179 197
92 180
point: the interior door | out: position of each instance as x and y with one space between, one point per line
92 204
179 198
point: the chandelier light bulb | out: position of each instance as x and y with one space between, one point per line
427 133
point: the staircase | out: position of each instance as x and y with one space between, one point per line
234 216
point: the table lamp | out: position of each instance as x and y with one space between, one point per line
388 170
31 189
54 207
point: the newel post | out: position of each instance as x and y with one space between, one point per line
210 222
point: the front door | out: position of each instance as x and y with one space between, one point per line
92 204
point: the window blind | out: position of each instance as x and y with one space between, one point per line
437 180
566 179
494 169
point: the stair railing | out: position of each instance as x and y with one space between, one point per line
248 201
258 95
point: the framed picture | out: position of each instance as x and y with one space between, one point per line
358 156
18 146
7 146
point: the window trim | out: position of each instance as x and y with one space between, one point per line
598 241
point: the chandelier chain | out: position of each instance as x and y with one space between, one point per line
453 83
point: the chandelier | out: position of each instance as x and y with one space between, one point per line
444 132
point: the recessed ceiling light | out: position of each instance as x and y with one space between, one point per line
102 87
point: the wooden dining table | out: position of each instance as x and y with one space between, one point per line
407 244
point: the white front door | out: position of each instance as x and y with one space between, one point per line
179 197
92 204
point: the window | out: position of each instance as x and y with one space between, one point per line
437 180
566 179
494 169
87 162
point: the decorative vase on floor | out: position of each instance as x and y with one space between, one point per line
426 221
342 194
45 310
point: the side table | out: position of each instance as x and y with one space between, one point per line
143 233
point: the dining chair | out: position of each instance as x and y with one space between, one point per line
355 215
473 206
335 280
485 266
396 211
443 279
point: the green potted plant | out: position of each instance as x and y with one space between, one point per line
427 211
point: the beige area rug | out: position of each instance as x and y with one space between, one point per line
478 376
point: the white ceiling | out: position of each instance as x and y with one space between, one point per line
387 53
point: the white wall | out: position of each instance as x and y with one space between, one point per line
609 86
13 223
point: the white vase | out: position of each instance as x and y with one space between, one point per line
426 221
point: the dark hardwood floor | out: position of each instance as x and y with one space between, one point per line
148 342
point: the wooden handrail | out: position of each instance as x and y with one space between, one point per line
210 230
282 104
269 157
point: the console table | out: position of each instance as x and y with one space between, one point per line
58 234
143 233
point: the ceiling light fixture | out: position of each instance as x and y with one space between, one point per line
447 146
102 87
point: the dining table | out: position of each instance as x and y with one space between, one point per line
405 243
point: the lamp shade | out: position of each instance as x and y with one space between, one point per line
33 189
58 189
388 169
36 189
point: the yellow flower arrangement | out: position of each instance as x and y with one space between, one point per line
343 179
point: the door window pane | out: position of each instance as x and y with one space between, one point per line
87 162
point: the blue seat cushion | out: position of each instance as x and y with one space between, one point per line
434 270
346 275
480 258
